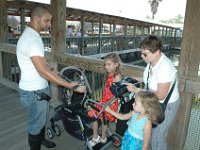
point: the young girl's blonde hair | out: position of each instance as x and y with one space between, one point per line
115 59
151 104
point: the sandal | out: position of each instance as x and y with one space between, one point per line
94 141
104 140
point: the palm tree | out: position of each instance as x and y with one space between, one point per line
154 6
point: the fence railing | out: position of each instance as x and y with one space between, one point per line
93 68
95 45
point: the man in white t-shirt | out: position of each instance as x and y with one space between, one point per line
35 74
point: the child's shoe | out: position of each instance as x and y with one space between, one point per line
94 141
104 140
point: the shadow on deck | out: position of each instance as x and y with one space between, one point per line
13 125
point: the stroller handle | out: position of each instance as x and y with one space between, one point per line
83 80
107 104
67 79
102 105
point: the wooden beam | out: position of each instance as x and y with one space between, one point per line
100 35
82 48
22 18
75 14
3 31
90 64
1 65
58 38
8 48
9 83
3 21
188 70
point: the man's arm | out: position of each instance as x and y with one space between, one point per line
46 72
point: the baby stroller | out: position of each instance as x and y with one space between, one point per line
73 111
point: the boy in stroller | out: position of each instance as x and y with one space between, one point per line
73 112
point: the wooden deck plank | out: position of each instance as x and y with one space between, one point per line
13 126
16 119
12 120
10 105
19 144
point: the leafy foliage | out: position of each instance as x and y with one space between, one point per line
177 19
154 6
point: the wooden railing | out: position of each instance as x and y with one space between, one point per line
10 69
92 67
90 45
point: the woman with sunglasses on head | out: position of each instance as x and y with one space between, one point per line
159 77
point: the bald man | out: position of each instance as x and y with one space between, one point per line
35 74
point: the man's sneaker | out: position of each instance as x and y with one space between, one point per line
94 141
48 144
104 140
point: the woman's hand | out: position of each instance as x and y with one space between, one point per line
131 88
138 79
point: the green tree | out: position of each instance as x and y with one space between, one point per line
176 20
154 6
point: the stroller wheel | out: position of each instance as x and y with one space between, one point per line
50 133
116 140
89 147
57 130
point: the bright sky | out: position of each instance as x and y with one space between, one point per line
134 9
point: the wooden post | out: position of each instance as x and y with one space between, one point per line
142 31
22 18
153 30
175 32
125 30
125 37
149 29
110 25
134 30
113 36
92 28
100 35
134 34
82 47
188 69
163 30
3 21
3 30
166 30
58 35
159 31
1 65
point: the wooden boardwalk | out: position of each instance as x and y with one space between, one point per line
13 125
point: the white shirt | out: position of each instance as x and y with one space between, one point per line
69 32
30 44
164 71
